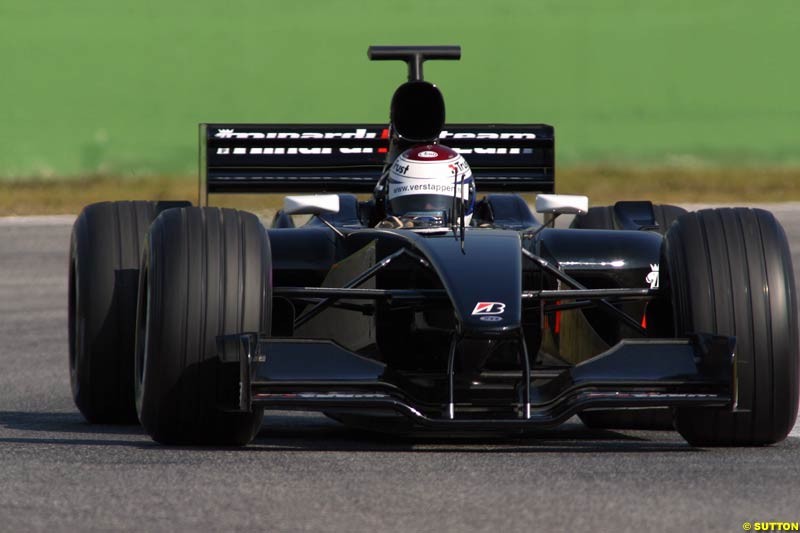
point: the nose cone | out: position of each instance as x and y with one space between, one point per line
484 282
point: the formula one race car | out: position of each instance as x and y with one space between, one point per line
422 305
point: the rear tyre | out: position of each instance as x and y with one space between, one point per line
665 215
599 217
602 217
205 272
103 277
731 273
656 419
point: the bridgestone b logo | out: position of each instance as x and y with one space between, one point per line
489 308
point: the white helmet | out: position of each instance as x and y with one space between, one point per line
422 187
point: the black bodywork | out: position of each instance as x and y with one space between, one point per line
510 324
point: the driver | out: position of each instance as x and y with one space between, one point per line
428 188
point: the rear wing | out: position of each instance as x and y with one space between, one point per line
289 158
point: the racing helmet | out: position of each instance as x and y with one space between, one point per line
429 185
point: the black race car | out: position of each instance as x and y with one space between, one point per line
196 319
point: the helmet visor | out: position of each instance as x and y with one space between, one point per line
421 203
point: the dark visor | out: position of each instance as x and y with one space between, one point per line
420 203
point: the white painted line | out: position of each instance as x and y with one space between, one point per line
38 220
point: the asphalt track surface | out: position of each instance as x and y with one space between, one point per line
306 473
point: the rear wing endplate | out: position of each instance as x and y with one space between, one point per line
288 158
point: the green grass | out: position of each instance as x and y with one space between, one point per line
119 87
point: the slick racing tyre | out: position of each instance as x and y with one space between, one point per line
103 277
731 273
205 272
602 217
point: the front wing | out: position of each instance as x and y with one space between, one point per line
319 375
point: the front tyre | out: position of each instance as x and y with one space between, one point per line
731 273
205 272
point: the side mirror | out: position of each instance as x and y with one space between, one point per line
317 204
562 204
